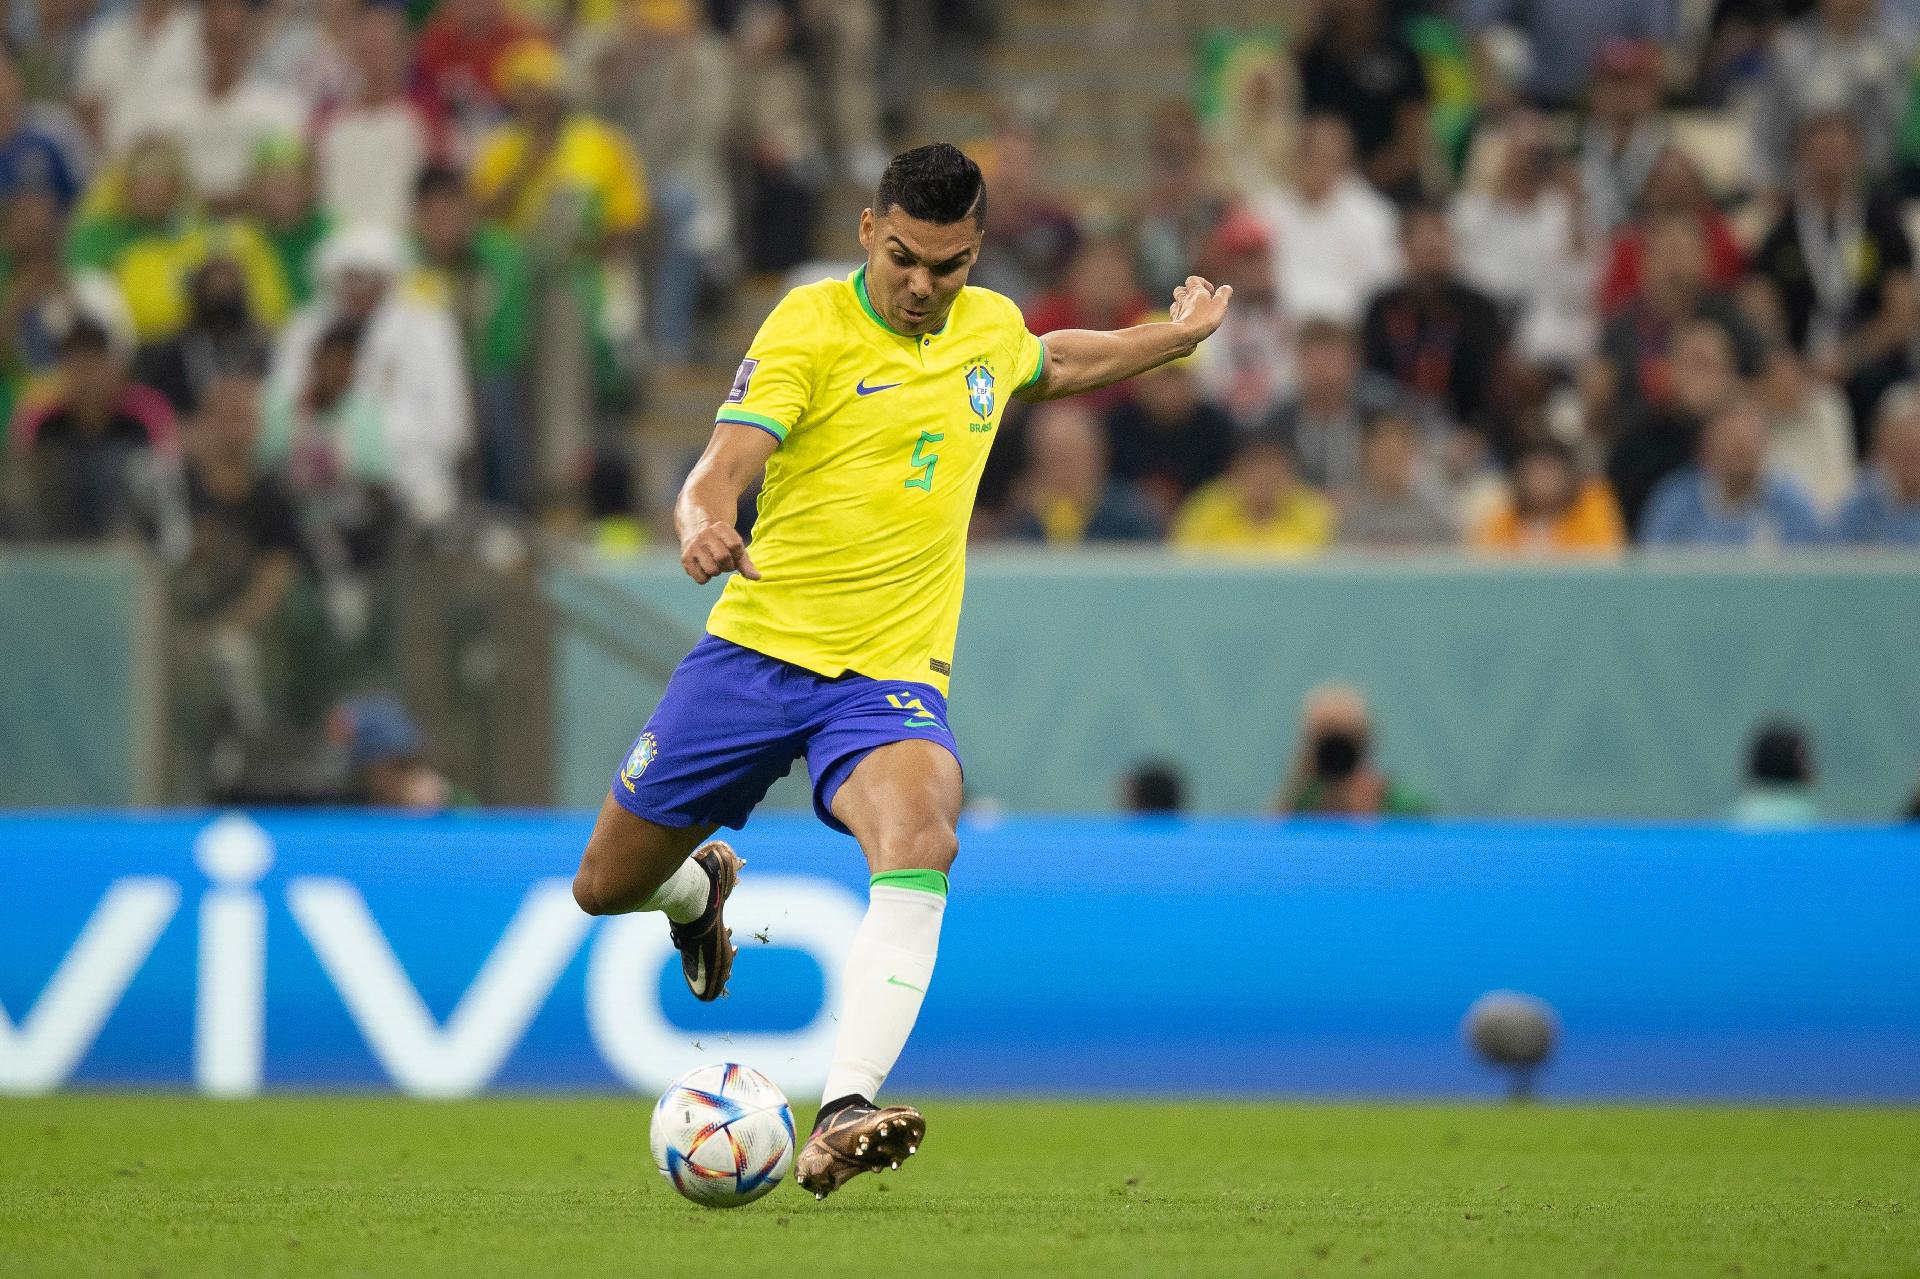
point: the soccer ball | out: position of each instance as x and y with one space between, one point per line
723 1135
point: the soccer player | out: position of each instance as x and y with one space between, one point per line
869 404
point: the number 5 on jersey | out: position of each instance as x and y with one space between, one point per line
923 461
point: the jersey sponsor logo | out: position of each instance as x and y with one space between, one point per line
944 668
643 753
861 387
980 390
741 377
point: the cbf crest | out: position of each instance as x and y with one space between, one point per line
642 754
980 391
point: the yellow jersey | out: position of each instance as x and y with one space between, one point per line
861 537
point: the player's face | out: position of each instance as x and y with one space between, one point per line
916 269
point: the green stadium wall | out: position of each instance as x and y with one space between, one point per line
80 656
1586 690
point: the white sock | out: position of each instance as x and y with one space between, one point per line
886 976
683 898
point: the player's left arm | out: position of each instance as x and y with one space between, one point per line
1079 360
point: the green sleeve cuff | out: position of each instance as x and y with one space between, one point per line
1039 367
741 417
926 881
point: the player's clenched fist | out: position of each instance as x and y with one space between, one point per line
713 549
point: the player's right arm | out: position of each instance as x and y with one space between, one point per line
769 398
709 502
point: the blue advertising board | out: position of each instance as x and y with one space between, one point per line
445 957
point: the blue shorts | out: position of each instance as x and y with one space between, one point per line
733 721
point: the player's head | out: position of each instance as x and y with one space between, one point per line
922 235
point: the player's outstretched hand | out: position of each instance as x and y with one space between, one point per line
1199 307
715 549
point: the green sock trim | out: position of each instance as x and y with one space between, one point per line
926 881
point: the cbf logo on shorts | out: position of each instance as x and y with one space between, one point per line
980 390
637 760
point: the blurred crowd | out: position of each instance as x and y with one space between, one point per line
1563 276
314 297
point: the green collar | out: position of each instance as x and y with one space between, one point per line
859 282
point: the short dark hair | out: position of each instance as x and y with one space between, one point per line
935 183
1156 787
85 335
1780 755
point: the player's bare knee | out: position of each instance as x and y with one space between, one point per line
932 846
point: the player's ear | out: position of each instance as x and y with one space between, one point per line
866 229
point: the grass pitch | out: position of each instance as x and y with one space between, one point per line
160 1187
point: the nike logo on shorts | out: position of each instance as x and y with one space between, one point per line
921 723
861 387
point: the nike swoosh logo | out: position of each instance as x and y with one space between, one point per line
921 723
861 387
895 981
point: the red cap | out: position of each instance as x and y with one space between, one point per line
1624 57
1239 232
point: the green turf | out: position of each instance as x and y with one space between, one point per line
161 1187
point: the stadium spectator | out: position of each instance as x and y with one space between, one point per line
1333 771
386 756
139 226
220 337
787 167
1397 502
1636 344
1247 367
329 449
284 212
47 38
1809 434
369 148
572 187
1729 498
1357 67
1166 440
1260 505
1674 187
1031 234
458 63
223 116
135 56
88 459
1254 135
232 546
30 159
1333 396
1181 207
664 79
1703 378
1778 794
410 364
1097 292
1885 509
35 295
1440 339
1624 135
1841 267
1845 58
1549 511
307 48
1335 234
1067 494
481 273
1154 788
1523 243
1566 40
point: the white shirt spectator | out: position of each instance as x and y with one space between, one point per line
220 134
411 364
1334 254
1809 432
126 66
368 158
1524 257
